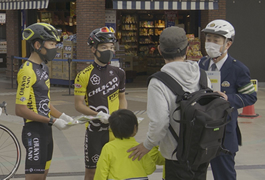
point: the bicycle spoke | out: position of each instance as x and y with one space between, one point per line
8 137
9 153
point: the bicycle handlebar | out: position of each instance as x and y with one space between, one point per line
3 105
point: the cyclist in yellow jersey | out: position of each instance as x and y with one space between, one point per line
103 88
33 101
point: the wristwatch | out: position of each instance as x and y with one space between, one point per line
50 123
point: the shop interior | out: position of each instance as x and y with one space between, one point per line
137 32
138 37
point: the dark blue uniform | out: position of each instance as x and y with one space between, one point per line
236 84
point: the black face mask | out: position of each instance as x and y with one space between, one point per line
49 56
105 56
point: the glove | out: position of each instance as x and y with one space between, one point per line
61 124
66 118
103 117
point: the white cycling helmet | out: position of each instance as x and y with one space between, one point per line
220 27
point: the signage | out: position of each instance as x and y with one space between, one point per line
215 78
2 18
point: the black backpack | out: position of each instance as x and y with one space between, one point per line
203 117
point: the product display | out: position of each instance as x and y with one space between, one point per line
128 34
194 50
60 15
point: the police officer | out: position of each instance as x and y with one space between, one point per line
236 87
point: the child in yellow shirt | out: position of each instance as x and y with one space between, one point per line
113 162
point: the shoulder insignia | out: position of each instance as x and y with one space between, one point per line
225 84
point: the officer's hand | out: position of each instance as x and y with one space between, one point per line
103 117
61 124
66 118
222 94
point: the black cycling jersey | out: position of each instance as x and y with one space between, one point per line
101 87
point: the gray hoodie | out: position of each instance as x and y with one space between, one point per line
161 105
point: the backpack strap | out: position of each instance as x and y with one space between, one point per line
203 79
174 134
174 86
171 83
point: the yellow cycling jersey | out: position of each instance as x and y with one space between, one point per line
34 88
101 87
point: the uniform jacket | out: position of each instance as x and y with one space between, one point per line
235 82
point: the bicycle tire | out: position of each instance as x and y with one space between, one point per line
5 135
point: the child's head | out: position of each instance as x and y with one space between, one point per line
123 123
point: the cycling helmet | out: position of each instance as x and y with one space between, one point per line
101 35
220 27
43 31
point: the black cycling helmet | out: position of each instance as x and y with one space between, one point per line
101 35
43 31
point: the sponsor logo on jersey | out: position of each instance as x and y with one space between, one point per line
38 72
100 108
105 89
95 79
22 99
78 86
111 73
24 84
44 107
114 96
44 75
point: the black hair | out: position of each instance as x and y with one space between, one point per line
122 123
33 42
171 56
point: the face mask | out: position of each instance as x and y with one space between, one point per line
105 56
213 50
49 56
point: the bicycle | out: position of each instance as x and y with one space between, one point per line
10 151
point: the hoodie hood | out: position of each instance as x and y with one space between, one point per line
186 73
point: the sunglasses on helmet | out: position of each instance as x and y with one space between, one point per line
106 30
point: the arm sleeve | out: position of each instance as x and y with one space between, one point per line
156 156
245 94
103 165
81 82
158 113
26 78
148 164
122 80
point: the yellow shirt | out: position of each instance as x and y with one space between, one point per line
114 164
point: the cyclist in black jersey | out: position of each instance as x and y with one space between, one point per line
103 88
33 101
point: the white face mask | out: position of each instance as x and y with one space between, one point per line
213 50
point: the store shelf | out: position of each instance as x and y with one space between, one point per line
59 16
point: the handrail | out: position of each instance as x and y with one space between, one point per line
69 60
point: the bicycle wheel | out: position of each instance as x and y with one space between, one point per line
10 153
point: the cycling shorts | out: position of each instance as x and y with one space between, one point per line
94 142
37 139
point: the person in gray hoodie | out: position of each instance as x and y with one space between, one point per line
161 105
